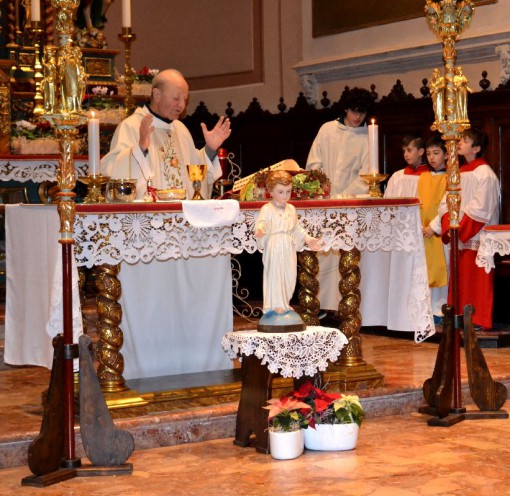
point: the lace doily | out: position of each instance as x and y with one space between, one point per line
291 354
133 237
492 242
36 170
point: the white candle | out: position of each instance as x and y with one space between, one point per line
35 11
126 13
373 147
93 132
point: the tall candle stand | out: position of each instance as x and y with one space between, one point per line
128 38
443 391
374 181
52 455
38 75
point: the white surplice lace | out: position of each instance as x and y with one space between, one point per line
292 354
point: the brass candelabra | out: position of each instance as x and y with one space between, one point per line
129 77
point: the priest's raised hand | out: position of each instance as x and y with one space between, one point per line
218 134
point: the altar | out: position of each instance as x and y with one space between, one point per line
394 291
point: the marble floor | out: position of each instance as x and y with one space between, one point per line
397 454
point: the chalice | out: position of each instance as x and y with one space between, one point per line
196 173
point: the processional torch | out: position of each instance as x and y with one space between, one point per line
448 19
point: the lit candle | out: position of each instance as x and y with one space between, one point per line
126 13
35 11
93 135
373 147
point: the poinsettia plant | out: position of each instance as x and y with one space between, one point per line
287 414
145 74
329 407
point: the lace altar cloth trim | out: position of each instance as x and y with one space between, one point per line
143 236
35 169
291 354
162 235
495 239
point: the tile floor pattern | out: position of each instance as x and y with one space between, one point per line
397 455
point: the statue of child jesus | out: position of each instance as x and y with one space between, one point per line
279 234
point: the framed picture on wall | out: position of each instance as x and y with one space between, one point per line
333 16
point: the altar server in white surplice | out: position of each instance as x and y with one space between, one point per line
175 312
340 149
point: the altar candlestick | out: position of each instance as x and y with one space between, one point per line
93 136
126 13
373 147
35 11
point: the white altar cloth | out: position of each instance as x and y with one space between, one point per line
493 239
179 333
394 288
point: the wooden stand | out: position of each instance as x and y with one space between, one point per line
440 389
106 446
256 389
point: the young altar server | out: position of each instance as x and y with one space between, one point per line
279 234
479 207
404 182
417 180
431 190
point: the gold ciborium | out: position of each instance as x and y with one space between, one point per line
196 173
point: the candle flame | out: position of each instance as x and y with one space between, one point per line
373 121
92 114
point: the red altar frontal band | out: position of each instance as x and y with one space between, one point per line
109 208
499 227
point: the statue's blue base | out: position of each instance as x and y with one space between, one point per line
290 321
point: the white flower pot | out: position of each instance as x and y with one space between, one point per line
335 437
286 445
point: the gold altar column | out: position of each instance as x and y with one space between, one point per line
350 372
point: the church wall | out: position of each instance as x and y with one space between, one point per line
229 50
237 50
406 50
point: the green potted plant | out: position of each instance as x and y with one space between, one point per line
333 419
286 417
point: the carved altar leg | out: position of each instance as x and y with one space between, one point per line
351 371
109 312
308 287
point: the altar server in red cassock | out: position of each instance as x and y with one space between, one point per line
479 207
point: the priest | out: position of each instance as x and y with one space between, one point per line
174 312
153 146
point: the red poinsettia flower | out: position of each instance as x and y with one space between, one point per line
304 390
